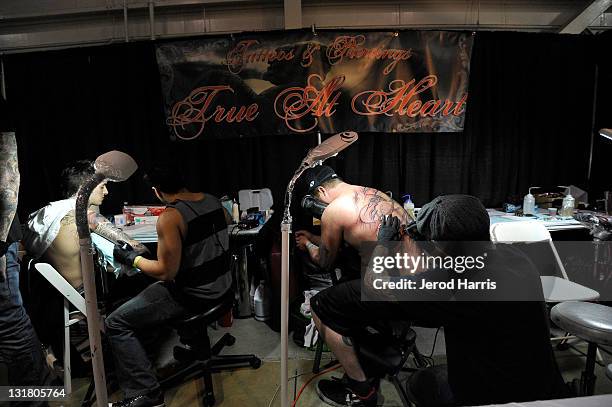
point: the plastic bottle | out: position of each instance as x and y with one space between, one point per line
129 216
252 295
409 206
262 303
529 203
567 207
235 212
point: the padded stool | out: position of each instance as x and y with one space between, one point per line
590 322
205 359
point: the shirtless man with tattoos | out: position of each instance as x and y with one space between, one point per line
51 234
353 215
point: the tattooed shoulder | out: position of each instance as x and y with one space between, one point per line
68 219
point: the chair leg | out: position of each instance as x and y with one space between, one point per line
209 393
89 398
193 371
67 368
587 381
316 366
226 340
226 362
400 390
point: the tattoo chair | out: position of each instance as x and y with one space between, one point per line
202 358
75 299
71 296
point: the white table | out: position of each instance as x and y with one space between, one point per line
552 225
146 233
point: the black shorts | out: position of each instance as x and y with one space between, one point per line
340 308
485 359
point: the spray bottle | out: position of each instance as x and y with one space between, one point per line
235 212
567 206
529 203
409 206
261 303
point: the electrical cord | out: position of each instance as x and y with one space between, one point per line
310 380
433 348
303 386
278 387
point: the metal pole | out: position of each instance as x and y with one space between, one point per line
2 83
89 284
593 131
319 142
125 21
152 18
286 230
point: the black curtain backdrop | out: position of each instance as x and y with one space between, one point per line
601 173
529 122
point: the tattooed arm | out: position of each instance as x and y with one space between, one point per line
331 237
9 190
103 227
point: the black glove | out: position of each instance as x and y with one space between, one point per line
124 253
389 229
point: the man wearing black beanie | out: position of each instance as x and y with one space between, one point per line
489 344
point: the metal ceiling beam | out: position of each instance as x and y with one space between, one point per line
586 17
132 5
293 14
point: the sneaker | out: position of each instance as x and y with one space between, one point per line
146 400
338 392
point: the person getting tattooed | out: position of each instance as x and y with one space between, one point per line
51 233
51 236
353 215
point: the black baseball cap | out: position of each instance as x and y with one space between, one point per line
314 177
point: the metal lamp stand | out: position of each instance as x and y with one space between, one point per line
315 156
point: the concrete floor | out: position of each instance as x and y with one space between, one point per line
247 387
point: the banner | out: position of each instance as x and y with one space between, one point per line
304 82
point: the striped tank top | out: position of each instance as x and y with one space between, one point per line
204 270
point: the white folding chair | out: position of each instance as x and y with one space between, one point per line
555 289
71 296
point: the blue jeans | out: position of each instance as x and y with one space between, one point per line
130 328
20 349
133 327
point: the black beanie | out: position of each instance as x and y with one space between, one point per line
454 218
